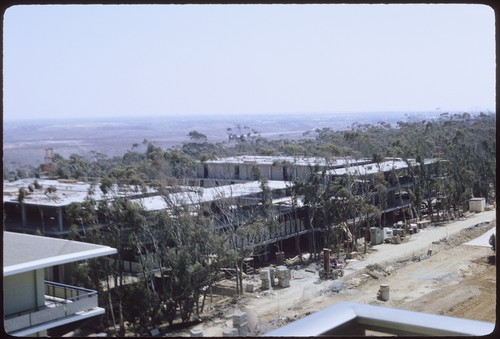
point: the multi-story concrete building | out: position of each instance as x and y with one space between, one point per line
395 203
43 207
294 219
35 299
235 181
286 168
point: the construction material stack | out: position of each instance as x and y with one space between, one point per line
284 276
265 278
240 322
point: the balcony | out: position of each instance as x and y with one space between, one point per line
352 319
63 304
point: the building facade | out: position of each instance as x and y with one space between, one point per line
33 304
235 183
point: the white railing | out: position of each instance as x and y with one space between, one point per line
353 319
61 301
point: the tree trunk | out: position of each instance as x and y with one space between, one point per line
197 303
239 275
122 321
111 307
120 298
430 210
367 230
209 289
311 213
237 279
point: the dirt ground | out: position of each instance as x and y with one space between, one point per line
454 280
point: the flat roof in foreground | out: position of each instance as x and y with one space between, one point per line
25 252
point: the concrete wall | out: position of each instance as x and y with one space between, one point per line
265 171
268 171
23 292
276 173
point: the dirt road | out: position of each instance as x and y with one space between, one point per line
456 280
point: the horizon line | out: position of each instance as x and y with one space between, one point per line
214 115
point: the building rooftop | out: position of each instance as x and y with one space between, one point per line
24 252
67 192
202 195
71 191
372 168
297 160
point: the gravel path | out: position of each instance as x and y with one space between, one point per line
418 243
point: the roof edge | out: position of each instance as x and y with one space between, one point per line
57 260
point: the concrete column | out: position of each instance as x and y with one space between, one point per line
60 218
23 214
326 259
279 258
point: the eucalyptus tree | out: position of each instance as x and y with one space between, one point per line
312 190
380 189
243 139
292 148
123 217
245 228
179 244
352 205
471 151
180 164
326 217
111 221
197 136
468 145
95 273
199 148
246 238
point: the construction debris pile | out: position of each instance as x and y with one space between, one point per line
377 271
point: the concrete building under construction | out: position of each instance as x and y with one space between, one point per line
235 181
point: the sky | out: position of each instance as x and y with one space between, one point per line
171 60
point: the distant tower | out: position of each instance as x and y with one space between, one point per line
48 166
49 155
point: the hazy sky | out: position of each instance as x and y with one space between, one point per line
123 60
